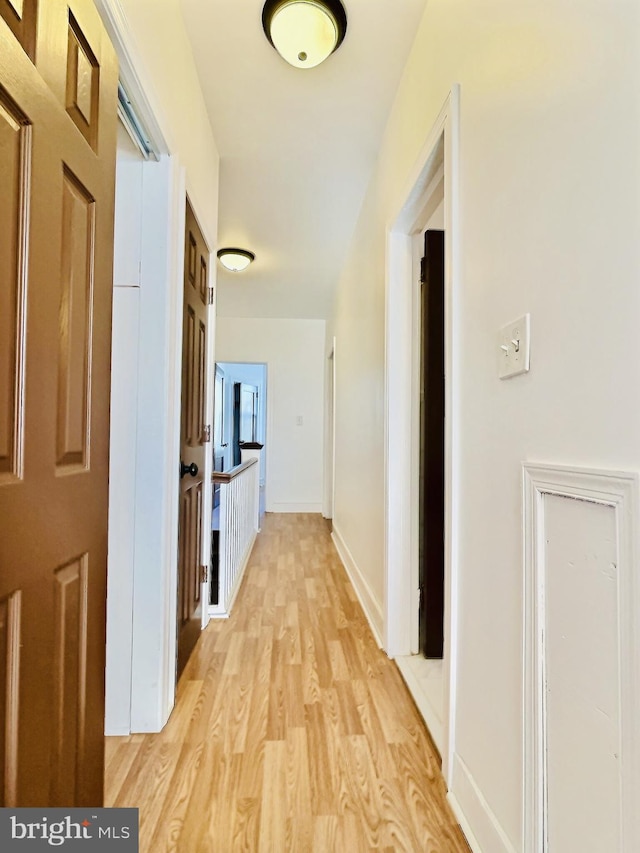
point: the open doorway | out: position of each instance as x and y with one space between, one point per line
428 204
240 415
423 667
239 419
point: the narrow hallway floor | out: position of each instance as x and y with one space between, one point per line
292 731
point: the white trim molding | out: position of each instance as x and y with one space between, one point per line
400 541
370 604
472 810
619 491
132 75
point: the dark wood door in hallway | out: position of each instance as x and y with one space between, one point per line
58 101
192 438
292 730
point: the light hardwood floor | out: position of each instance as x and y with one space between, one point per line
292 731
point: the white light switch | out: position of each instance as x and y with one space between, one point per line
514 347
299 420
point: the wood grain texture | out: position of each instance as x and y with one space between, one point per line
292 731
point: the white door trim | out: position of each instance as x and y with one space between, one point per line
399 379
620 492
153 681
330 433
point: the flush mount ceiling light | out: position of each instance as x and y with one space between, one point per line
304 32
235 260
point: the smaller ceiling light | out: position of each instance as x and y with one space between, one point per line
304 32
235 260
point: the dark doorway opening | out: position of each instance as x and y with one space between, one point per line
432 385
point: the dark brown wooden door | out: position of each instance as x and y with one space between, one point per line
58 101
432 447
192 442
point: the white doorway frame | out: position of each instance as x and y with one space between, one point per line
400 471
330 433
154 593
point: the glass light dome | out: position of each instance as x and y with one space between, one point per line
304 32
235 260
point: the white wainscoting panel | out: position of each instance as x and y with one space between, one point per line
581 762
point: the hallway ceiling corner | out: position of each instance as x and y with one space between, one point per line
297 146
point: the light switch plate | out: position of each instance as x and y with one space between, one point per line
514 347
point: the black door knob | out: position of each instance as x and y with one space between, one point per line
188 469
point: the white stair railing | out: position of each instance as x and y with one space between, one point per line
238 524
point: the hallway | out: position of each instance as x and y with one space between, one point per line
292 731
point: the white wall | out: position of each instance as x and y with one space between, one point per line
168 95
294 352
153 29
550 121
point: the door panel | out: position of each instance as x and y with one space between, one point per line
56 247
70 678
10 610
74 336
15 145
194 376
21 18
82 83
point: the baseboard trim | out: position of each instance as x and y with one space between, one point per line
372 608
472 810
427 711
295 507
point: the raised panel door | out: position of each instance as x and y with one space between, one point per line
56 249
194 379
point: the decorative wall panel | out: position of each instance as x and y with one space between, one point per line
582 599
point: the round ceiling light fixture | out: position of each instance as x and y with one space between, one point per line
235 260
304 32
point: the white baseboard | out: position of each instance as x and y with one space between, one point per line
422 700
472 810
370 605
275 506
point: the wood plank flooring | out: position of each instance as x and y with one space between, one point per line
292 731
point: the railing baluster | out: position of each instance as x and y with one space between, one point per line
239 517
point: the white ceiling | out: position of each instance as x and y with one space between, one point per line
296 146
